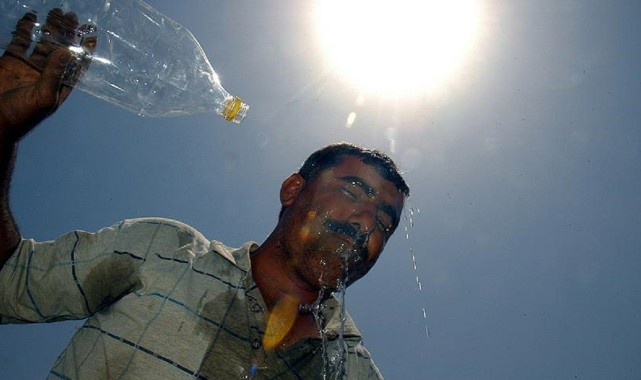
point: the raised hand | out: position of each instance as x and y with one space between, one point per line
35 80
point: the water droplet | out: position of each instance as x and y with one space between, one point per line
409 224
86 29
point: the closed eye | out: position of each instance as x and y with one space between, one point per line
386 228
349 192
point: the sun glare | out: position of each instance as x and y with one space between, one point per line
397 47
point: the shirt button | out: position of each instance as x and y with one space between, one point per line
256 344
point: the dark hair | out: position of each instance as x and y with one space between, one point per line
334 154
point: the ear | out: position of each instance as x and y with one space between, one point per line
290 189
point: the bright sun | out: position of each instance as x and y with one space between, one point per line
397 47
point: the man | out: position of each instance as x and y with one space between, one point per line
162 301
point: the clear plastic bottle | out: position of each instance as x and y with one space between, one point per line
144 61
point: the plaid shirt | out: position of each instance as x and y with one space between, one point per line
162 301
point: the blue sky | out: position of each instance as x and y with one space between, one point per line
524 165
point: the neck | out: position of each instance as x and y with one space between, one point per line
275 280
283 294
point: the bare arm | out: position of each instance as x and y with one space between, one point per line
31 89
9 234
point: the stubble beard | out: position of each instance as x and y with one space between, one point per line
324 268
318 259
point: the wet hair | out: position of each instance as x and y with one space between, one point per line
334 154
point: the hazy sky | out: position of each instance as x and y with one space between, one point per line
525 166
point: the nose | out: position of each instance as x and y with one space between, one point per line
363 219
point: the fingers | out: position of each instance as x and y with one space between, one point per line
51 91
59 30
21 40
57 65
33 82
61 26
77 68
24 106
88 40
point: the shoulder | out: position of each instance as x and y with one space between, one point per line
164 232
158 226
162 236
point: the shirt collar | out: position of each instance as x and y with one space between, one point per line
237 256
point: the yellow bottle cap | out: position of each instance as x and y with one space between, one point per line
235 110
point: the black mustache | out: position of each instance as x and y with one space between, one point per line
347 229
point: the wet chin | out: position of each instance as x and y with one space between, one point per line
325 276
326 266
334 278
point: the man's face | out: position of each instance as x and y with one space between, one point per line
336 227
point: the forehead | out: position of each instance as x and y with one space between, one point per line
353 167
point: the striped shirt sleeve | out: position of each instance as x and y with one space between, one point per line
77 274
